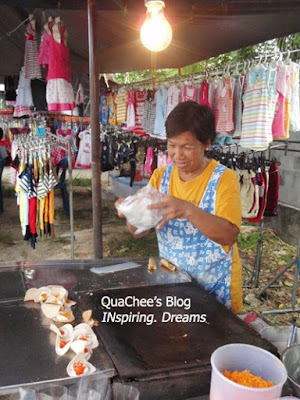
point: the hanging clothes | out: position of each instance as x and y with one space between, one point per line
130 110
79 100
174 97
237 106
121 105
161 97
149 113
10 90
271 208
203 97
32 69
104 110
38 89
44 51
140 98
84 157
60 95
224 118
59 153
256 119
262 190
295 104
189 92
112 117
24 97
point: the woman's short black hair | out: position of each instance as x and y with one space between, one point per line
190 116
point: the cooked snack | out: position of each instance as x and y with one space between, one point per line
246 378
152 265
166 264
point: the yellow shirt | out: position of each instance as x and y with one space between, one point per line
228 206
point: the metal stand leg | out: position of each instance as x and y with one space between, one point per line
71 199
257 265
295 262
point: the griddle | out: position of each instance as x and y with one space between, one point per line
12 286
27 348
141 351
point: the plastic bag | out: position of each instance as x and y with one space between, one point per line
124 392
135 210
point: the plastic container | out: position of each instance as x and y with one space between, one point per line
279 336
239 357
291 360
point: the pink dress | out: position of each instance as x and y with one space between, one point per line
44 51
59 93
32 70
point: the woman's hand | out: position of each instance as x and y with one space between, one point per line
132 229
119 201
172 208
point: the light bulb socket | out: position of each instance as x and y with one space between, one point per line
158 2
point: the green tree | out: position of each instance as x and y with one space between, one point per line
290 42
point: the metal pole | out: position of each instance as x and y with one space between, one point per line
70 167
95 129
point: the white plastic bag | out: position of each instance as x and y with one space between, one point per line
135 210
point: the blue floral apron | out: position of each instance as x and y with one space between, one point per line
184 245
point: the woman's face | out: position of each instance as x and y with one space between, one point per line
186 152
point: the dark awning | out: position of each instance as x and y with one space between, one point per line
201 29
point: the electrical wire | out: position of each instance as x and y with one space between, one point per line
8 34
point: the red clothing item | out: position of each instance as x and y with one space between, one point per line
273 191
32 215
203 100
59 59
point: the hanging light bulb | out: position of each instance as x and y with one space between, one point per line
156 32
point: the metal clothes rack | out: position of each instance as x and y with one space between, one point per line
32 142
295 262
255 273
67 141
213 72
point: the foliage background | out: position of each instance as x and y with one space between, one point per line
274 46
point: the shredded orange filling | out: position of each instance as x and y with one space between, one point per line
65 314
79 368
62 344
245 378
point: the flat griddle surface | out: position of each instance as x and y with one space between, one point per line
11 285
139 350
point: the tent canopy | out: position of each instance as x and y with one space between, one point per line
201 29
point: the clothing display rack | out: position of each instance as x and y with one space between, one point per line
30 142
253 279
210 72
63 143
296 263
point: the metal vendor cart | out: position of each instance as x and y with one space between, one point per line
167 357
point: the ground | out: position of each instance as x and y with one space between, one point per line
117 242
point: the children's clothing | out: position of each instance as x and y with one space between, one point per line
60 95
32 69
84 159
140 98
161 97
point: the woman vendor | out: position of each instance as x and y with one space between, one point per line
201 208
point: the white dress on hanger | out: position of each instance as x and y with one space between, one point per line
84 159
